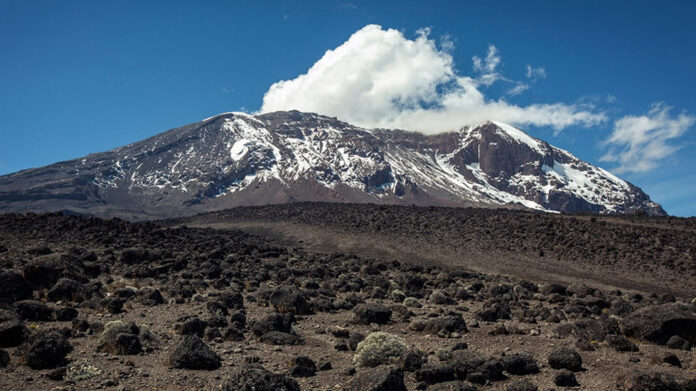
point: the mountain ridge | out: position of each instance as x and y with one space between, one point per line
234 159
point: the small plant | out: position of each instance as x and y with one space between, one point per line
380 348
411 302
81 371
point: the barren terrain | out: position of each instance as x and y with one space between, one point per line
90 304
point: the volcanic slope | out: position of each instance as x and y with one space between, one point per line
92 304
238 159
632 251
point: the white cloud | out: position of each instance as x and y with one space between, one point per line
535 73
518 89
379 78
487 66
639 143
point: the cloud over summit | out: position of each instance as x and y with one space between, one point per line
380 78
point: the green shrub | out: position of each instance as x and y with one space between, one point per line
81 371
411 302
380 348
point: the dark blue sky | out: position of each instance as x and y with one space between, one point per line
85 76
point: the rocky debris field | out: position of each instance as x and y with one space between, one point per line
107 304
656 253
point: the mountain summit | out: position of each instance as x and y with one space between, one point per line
237 159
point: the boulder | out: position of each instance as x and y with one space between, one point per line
621 343
65 289
660 322
257 378
34 310
442 325
642 381
302 366
48 350
12 333
4 358
120 338
14 287
367 313
565 378
677 342
381 378
565 359
290 299
193 353
520 364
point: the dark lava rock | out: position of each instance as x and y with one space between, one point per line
280 338
642 381
290 299
257 378
302 366
354 338
193 353
190 325
671 359
659 323
414 360
565 378
677 342
66 314
48 350
4 358
232 333
432 373
114 305
367 313
441 325
565 359
217 307
273 322
490 370
12 333
150 297
233 300
520 364
126 344
65 289
522 385
34 310
549 289
14 287
120 338
381 378
621 344
589 329
492 311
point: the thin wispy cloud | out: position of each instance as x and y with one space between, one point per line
380 78
535 73
639 143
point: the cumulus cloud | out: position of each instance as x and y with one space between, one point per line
380 78
639 143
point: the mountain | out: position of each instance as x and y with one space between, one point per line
237 159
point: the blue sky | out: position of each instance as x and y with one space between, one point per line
84 76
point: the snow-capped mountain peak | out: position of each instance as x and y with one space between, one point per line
238 159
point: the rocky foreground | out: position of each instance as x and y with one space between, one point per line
108 304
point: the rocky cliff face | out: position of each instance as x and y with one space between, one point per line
238 159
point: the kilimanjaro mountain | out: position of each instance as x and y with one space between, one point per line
237 159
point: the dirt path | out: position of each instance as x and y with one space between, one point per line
418 250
